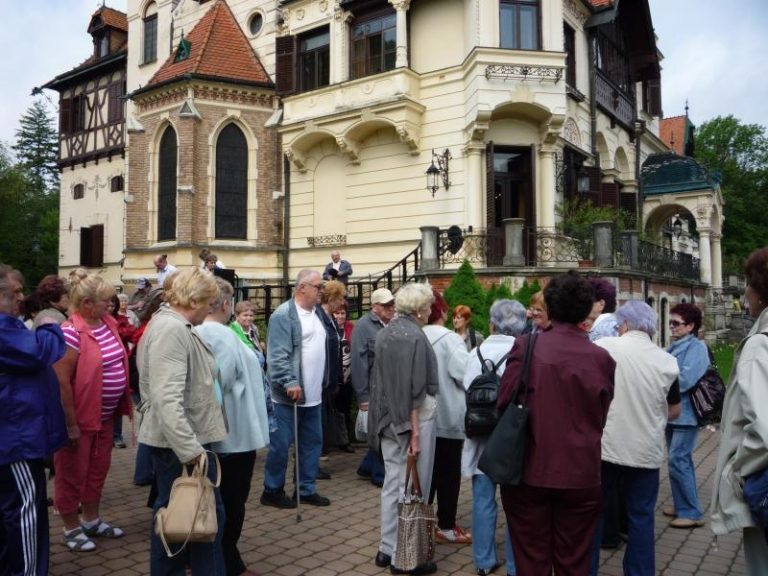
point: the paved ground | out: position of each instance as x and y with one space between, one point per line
342 539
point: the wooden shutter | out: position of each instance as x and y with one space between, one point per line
285 70
65 116
595 185
610 194
653 97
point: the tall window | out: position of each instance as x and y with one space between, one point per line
314 59
374 45
519 24
611 56
150 33
166 193
92 246
231 184
569 36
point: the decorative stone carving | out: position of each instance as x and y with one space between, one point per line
571 132
400 4
296 158
323 5
573 9
350 148
300 13
409 139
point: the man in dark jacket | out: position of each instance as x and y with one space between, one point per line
31 428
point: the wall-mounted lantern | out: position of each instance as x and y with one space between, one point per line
436 173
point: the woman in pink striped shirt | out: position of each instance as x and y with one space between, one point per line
93 378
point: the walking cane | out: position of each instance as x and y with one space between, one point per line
296 453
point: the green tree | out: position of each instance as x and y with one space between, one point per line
524 293
465 289
739 154
36 148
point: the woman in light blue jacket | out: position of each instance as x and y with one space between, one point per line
693 360
242 385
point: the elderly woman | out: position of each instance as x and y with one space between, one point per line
507 321
331 299
552 515
181 408
693 360
246 330
93 379
401 410
601 321
242 385
462 325
537 312
451 354
645 396
53 294
744 424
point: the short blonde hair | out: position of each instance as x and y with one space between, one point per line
242 306
413 297
332 290
85 286
538 300
191 288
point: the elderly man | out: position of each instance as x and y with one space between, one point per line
646 395
31 428
363 342
337 269
297 360
164 269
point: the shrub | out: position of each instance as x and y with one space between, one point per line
465 289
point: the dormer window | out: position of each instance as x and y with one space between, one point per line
102 45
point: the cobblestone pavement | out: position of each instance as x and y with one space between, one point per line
343 538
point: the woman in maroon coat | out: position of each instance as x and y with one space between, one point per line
552 515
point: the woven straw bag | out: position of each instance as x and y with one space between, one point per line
415 524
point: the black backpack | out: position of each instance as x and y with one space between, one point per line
482 394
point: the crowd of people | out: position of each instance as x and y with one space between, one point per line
604 405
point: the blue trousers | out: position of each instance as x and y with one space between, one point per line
373 464
484 512
23 519
681 441
310 445
641 489
203 558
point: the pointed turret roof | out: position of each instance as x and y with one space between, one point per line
218 50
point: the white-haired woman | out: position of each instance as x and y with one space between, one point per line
646 395
507 320
401 415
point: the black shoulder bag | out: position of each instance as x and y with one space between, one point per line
504 454
708 394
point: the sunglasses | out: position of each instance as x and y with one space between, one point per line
676 323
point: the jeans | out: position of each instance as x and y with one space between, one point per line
681 441
484 510
641 489
142 471
204 558
310 445
373 464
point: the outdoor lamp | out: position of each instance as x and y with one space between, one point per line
677 227
582 181
440 172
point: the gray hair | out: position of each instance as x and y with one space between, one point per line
508 317
638 316
225 292
413 297
304 274
123 297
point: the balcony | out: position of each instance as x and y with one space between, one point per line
614 102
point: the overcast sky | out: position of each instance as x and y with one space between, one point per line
714 54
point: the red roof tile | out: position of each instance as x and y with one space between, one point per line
112 17
219 49
672 133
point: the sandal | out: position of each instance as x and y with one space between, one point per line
78 541
103 530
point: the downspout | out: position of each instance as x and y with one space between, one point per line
639 131
286 217
592 101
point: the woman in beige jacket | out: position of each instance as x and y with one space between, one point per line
744 426
181 408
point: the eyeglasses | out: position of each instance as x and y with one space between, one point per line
676 323
318 286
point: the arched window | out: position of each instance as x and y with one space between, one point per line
166 193
231 184
150 33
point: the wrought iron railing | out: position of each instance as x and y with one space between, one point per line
481 247
655 259
553 248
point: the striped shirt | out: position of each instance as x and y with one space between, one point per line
114 378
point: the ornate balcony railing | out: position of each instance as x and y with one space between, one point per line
656 259
614 101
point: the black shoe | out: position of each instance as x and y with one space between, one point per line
313 500
378 483
363 473
322 475
427 568
382 560
347 448
486 571
277 499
